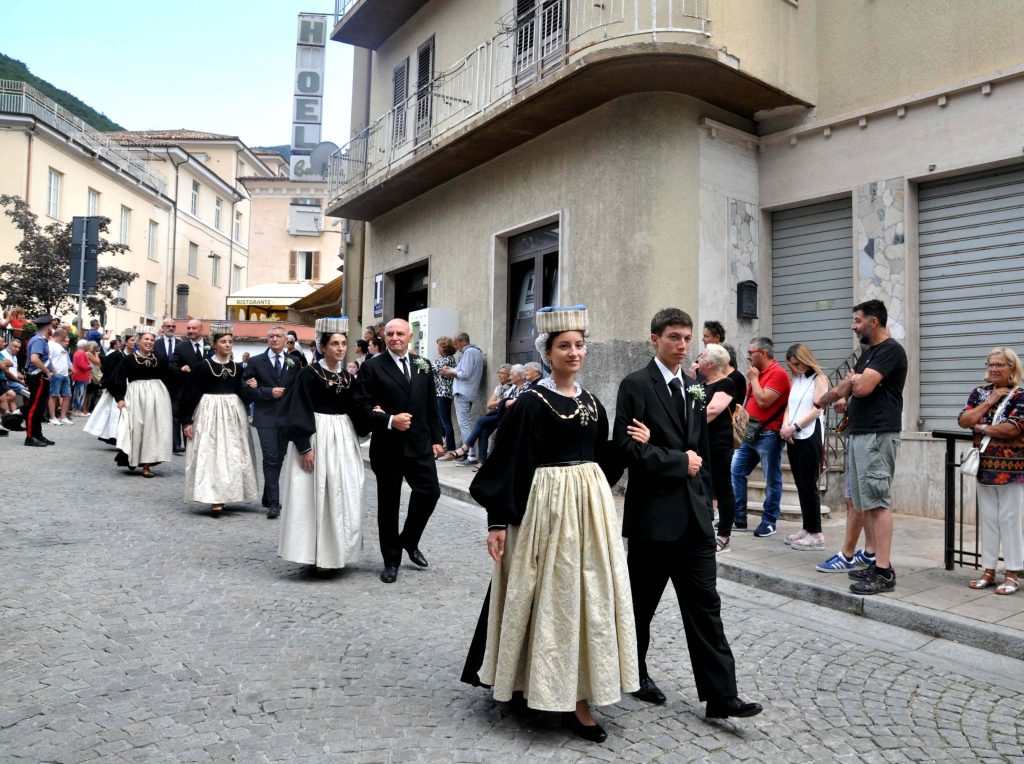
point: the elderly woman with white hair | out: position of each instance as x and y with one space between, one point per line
722 398
144 429
81 373
995 413
106 415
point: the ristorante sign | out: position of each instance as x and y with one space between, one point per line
307 115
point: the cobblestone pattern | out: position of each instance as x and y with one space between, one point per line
136 628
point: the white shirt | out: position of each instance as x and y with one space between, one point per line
668 375
59 361
398 362
801 401
8 355
168 343
272 357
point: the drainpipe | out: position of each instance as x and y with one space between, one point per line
28 166
174 233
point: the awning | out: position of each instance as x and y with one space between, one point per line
326 300
274 295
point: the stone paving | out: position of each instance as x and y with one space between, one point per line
136 628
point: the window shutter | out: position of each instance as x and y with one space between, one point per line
316 266
399 94
292 274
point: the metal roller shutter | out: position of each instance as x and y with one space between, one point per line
812 280
971 277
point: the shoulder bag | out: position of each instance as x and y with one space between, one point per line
971 461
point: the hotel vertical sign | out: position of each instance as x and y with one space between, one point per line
307 115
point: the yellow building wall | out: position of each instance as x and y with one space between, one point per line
271 243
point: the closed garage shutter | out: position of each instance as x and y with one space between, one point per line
971 262
812 280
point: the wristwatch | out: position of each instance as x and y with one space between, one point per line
797 427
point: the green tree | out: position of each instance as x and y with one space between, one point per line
39 280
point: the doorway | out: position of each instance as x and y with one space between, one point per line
533 283
411 290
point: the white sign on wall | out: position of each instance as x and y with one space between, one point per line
307 112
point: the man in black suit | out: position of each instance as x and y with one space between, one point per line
267 377
164 347
667 516
396 391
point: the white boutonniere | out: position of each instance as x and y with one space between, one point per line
697 393
421 366
289 362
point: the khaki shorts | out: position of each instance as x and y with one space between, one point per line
872 466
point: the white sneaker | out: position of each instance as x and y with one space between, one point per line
54 420
66 420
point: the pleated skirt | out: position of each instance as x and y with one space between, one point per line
220 462
560 627
104 419
144 428
322 510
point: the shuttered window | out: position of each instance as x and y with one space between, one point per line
812 280
971 283
424 81
399 94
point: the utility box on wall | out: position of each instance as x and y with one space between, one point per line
427 325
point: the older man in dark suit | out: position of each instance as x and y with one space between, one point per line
164 347
267 377
396 392
667 516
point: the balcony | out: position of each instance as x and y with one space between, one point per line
368 23
20 98
540 70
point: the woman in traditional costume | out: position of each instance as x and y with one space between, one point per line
558 623
220 465
322 476
104 419
144 428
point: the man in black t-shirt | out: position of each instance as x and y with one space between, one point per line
873 392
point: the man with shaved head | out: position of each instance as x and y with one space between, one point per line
396 392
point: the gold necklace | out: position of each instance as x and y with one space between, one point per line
148 361
338 380
224 372
587 412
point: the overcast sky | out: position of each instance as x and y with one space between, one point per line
223 66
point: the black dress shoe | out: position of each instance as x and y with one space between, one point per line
35 443
649 692
273 511
594 733
390 575
720 709
47 441
416 557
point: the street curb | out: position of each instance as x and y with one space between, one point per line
991 637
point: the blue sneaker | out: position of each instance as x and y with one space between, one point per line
765 529
863 559
837 563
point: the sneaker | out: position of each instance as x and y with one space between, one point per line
56 421
66 420
765 529
863 559
864 574
874 584
723 545
837 563
741 527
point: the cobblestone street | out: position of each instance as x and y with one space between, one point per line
136 628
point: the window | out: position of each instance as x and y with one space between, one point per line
126 224
193 259
304 266
304 217
93 207
151 241
399 92
53 194
150 298
195 198
532 281
236 277
238 226
218 205
122 292
424 84
215 270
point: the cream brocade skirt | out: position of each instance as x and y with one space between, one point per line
560 627
104 419
220 463
322 510
144 428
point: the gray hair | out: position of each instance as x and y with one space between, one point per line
506 367
518 371
82 344
716 354
59 332
765 344
93 346
534 366
462 337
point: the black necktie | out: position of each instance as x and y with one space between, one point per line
170 347
195 348
277 365
678 399
405 368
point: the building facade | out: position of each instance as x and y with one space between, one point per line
636 154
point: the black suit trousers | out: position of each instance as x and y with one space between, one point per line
39 394
273 444
421 474
689 563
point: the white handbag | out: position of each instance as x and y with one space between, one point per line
971 461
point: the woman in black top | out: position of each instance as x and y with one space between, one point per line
144 428
722 399
106 414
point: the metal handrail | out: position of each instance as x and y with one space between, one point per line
523 51
953 554
21 98
835 440
341 7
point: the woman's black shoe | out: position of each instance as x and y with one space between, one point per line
594 733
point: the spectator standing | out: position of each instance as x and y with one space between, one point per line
38 378
739 382
60 383
352 368
722 399
466 375
443 390
374 346
294 350
362 350
95 333
81 375
804 434
94 352
766 398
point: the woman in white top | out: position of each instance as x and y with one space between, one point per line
803 429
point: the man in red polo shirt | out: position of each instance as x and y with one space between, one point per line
767 395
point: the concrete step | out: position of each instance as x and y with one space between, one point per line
789 506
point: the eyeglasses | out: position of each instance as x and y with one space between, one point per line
996 365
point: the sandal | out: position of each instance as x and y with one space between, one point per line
809 542
987 579
723 544
1010 585
458 453
801 534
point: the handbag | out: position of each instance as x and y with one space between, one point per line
971 461
747 429
755 426
95 375
740 418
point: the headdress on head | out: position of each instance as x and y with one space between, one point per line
552 320
219 330
332 325
126 333
145 329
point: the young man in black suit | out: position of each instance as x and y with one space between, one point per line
396 391
267 377
667 516
164 347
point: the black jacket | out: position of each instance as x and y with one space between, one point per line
266 408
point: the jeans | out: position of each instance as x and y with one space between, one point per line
78 401
444 410
768 452
463 409
484 426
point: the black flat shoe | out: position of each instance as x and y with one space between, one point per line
47 441
274 510
649 692
390 575
720 709
594 733
416 557
34 443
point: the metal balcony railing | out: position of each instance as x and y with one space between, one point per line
526 48
341 7
21 98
